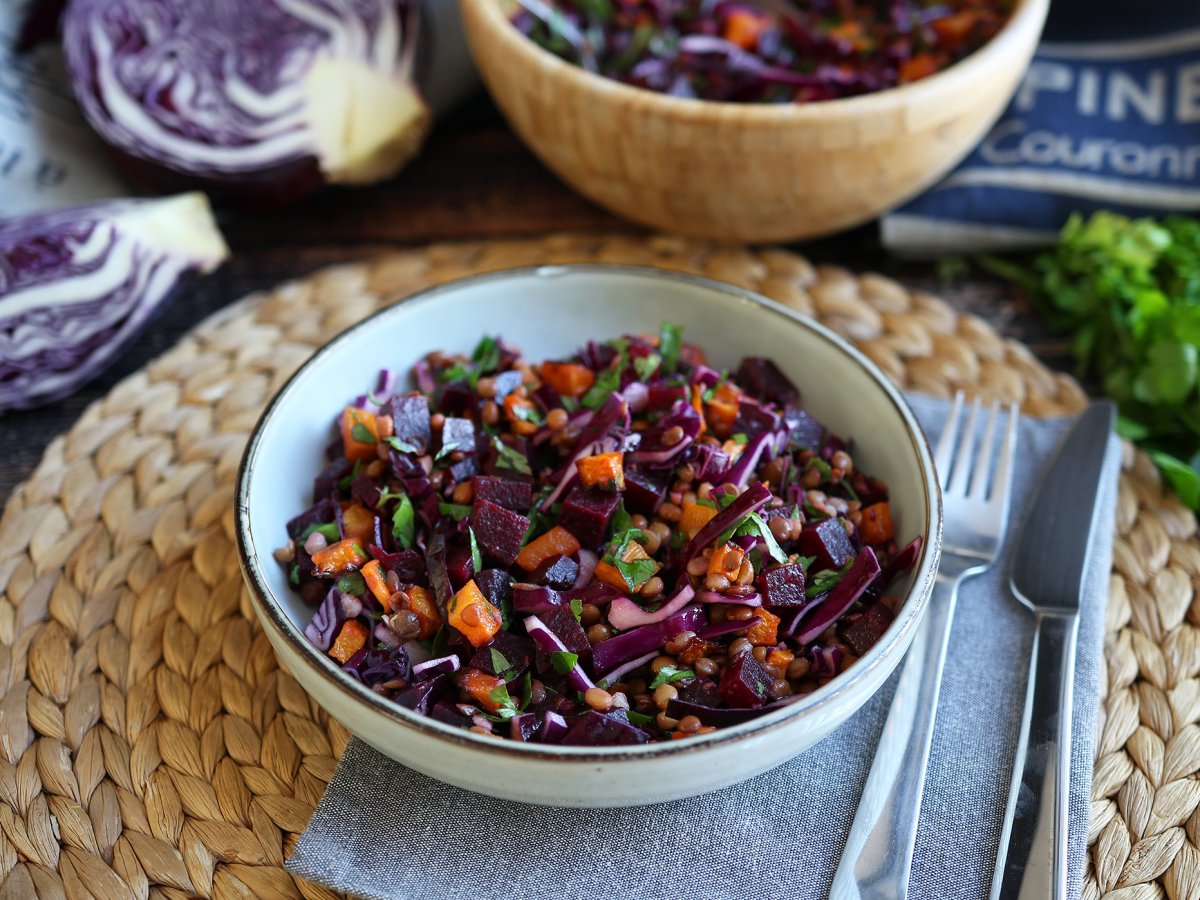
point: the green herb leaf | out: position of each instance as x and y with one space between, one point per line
328 530
754 524
528 412
362 433
646 366
486 356
500 665
440 643
526 690
670 675
826 579
670 340
404 527
508 458
639 719
456 511
352 583
506 708
577 609
476 556
563 661
294 573
740 438
400 446
635 573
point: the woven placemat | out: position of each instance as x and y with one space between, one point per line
151 746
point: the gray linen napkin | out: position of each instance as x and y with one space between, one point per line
385 831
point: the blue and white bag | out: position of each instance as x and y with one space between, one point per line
1108 117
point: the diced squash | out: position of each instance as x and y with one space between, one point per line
358 523
766 632
481 687
372 574
610 575
351 639
695 516
387 427
604 471
726 560
518 408
875 526
743 27
721 412
733 448
568 379
698 405
472 614
422 604
779 660
918 67
555 542
360 434
337 559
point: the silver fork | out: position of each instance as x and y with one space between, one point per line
877 860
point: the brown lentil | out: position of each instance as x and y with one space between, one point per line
639 521
760 653
286 553
716 582
739 613
653 587
404 624
689 724
375 468
557 418
745 573
811 477
589 615
651 541
537 691
486 387
523 428
841 460
665 722
669 512
780 688
704 492
436 421
599 632
662 529
705 666
659 662
463 493
490 413
798 668
664 694
741 590
676 644
685 473
738 647
598 699
672 436
392 580
697 566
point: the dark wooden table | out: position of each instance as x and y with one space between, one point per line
474 180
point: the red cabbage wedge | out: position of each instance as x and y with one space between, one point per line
78 284
258 102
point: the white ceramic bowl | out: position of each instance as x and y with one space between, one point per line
549 312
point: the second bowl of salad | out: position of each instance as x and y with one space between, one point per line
588 535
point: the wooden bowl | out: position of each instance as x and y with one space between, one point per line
743 172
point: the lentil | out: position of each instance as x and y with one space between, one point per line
676 644
669 512
599 632
598 699
689 724
653 587
589 615
657 664
557 419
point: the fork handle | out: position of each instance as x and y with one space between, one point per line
1032 862
877 860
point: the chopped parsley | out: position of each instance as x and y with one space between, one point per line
362 433
328 530
404 526
670 675
508 458
476 556
670 342
646 366
400 446
563 661
456 511
825 580
352 583
577 609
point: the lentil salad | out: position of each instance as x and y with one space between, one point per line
619 547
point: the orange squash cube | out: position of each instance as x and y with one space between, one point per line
568 379
472 614
604 471
340 558
372 574
479 685
694 517
875 526
421 602
351 639
360 434
358 523
555 542
766 632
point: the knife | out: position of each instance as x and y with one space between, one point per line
1047 576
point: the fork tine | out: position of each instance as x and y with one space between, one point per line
1002 486
986 456
964 458
945 447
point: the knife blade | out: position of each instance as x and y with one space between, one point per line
1047 576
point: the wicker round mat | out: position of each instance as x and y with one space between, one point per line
151 746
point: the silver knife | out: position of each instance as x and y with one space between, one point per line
1047 577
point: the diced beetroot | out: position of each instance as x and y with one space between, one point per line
505 383
754 418
523 727
317 514
783 586
561 621
664 394
420 695
644 490
806 431
465 468
558 572
459 565
516 649
586 514
745 682
596 729
498 531
458 434
864 631
827 541
408 565
535 599
445 711
457 397
761 378
326 483
410 421
496 585
365 490
514 495
702 691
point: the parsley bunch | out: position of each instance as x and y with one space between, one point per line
1128 291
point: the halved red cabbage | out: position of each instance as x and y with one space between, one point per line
624 614
263 100
608 654
851 586
78 284
752 499
549 642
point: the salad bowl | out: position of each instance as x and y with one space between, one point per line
550 311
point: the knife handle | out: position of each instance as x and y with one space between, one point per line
1032 861
877 860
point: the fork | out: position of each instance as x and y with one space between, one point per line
877 861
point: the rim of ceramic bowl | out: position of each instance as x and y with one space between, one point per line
1028 15
271 614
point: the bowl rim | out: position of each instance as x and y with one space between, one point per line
271 615
1029 14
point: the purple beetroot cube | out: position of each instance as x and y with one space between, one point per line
496 585
410 421
596 729
458 434
745 682
516 649
827 541
509 493
761 378
498 531
558 572
645 491
460 565
586 514
783 586
868 628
